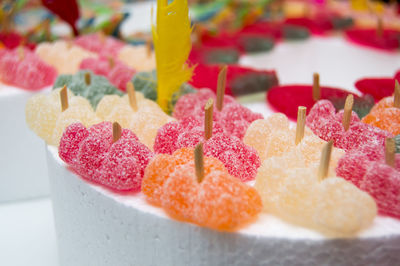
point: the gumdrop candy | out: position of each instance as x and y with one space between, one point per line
137 57
63 55
146 83
219 201
144 122
22 68
100 44
292 191
44 116
366 168
273 137
94 91
368 37
239 80
240 160
116 72
233 118
385 116
327 125
301 95
92 154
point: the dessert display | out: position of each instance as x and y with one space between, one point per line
153 161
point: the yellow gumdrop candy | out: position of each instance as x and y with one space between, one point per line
137 58
106 106
257 135
65 57
341 208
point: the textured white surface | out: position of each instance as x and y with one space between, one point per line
23 172
98 227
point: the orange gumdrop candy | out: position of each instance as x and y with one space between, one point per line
159 169
385 116
219 201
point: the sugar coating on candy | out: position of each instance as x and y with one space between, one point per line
293 192
220 201
385 116
22 68
137 57
144 122
44 116
63 55
105 46
366 168
99 86
93 155
116 72
273 137
233 118
327 125
240 160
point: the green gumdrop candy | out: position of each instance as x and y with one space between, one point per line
98 87
146 83
342 23
222 56
291 32
254 44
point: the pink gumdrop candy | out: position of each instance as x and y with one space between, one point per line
118 73
382 182
123 167
107 46
73 135
192 104
240 160
327 125
24 69
92 154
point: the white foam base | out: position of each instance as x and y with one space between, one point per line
98 227
23 171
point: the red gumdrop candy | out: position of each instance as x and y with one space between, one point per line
24 69
240 160
167 135
73 135
107 46
382 182
118 74
388 41
379 88
123 167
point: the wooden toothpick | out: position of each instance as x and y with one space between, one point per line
325 158
390 149
199 162
132 95
379 27
208 119
88 78
111 62
316 89
348 107
21 52
116 133
149 45
396 101
221 87
64 98
301 123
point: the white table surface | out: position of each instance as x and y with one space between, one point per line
27 234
